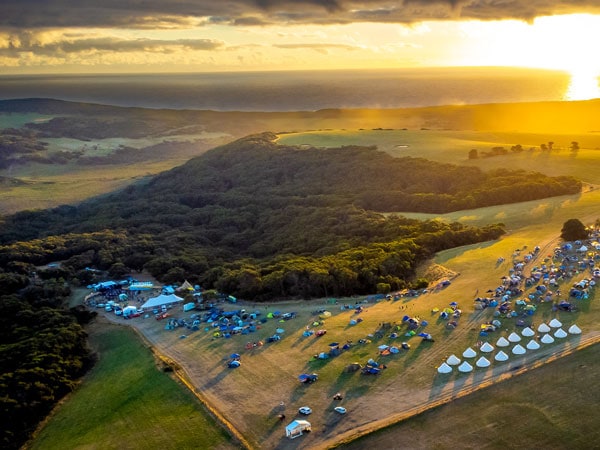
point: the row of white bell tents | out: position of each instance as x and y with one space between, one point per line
501 356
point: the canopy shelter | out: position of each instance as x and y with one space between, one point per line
162 299
295 428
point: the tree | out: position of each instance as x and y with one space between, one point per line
572 230
574 146
473 154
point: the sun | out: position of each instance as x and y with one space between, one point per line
561 42
584 85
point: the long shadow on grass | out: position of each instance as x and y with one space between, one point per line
439 382
415 351
217 379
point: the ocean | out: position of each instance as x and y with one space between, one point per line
297 91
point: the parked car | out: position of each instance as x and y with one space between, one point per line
304 410
340 409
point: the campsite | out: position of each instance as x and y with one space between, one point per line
351 346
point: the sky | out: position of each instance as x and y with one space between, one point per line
141 36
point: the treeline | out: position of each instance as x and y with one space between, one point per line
43 352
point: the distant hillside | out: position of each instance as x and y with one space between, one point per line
543 117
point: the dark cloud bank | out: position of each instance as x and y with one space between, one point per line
32 14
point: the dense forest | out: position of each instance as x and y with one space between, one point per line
252 219
260 220
43 351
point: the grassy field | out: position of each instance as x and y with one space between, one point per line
550 407
453 147
126 402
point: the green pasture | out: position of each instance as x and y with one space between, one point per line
17 120
126 402
103 147
552 407
454 146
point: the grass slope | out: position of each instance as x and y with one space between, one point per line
126 402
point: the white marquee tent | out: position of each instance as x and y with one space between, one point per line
162 299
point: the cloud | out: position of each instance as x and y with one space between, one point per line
18 44
321 48
159 14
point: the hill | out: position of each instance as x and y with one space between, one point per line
251 218
261 220
66 152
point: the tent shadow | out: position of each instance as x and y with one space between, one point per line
217 379
299 391
440 381
460 381
415 351
341 381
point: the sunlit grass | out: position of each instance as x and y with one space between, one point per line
127 402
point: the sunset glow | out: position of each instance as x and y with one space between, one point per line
310 35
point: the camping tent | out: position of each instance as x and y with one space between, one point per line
444 368
528 332
469 353
519 349
482 362
555 323
560 333
162 299
543 328
514 337
465 367
295 428
501 356
353 367
502 342
574 329
128 310
186 286
547 339
453 360
487 347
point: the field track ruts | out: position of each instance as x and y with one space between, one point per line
588 340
